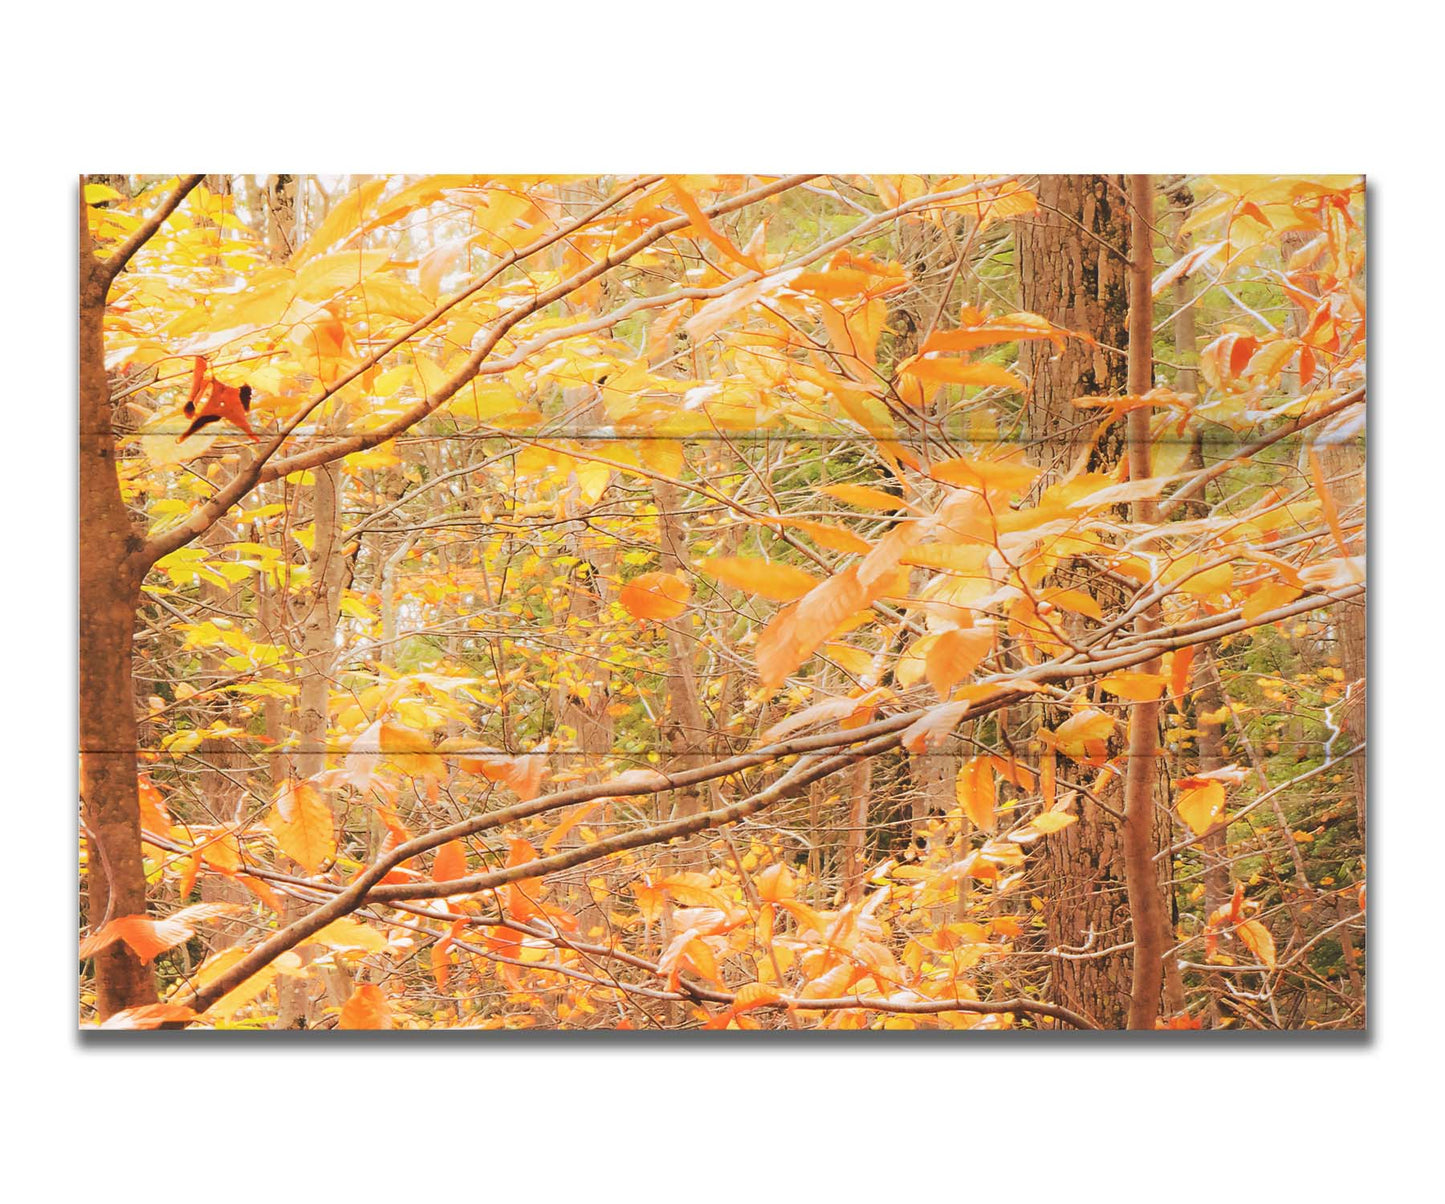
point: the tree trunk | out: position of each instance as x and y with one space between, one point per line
297 1008
684 723
1071 271
1146 899
1073 261
111 569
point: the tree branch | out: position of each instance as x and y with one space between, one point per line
110 268
872 739
264 468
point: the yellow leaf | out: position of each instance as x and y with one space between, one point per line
239 996
326 275
839 539
1076 601
303 826
1200 806
569 821
345 217
754 995
1003 476
1201 583
778 582
1134 687
976 792
1269 596
357 610
1073 736
1258 940
345 934
410 751
693 890
865 497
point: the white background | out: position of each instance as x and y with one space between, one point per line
549 86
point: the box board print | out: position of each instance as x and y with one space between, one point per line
722 602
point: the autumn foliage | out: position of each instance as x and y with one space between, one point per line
646 602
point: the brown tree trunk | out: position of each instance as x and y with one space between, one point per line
111 569
685 727
1072 261
1146 899
318 654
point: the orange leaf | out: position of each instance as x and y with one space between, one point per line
366 1009
820 712
1134 687
1179 671
1074 736
1014 328
450 862
955 654
839 539
1002 476
523 773
222 853
865 497
755 995
148 937
653 596
570 821
188 875
778 582
775 884
1011 771
960 372
145 936
703 225
1269 596
976 791
153 814
522 895
1258 940
797 630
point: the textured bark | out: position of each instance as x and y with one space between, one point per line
111 569
930 253
297 1007
223 765
684 727
1212 755
1072 260
278 222
1073 270
856 798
